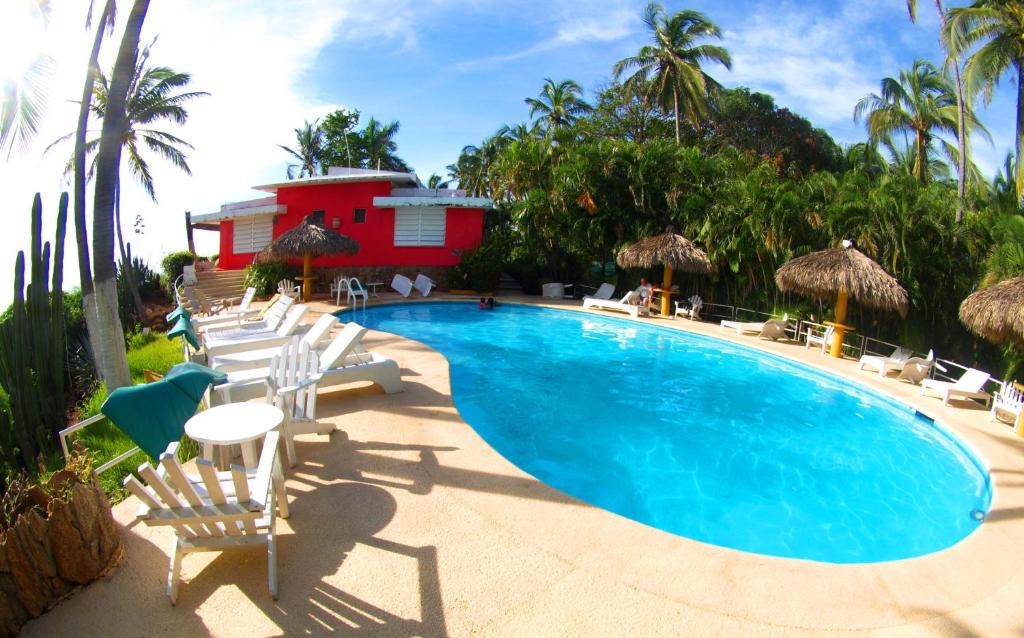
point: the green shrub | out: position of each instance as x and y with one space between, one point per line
479 269
174 263
264 277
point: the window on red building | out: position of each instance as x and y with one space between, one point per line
359 216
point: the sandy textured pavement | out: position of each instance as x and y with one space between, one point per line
405 522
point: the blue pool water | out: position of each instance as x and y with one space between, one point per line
699 437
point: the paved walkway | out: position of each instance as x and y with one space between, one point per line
406 523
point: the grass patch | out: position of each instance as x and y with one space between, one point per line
145 352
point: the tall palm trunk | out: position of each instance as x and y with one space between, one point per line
675 110
81 235
961 127
112 358
920 161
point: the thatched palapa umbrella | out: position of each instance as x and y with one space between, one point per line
671 250
997 312
307 240
842 273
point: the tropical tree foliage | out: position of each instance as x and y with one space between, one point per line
669 71
994 31
558 104
337 142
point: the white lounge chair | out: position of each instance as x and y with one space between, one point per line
605 291
343 361
689 309
892 363
818 337
357 291
757 327
1007 401
423 284
402 285
272 318
338 286
214 511
968 386
224 342
916 369
627 304
289 288
319 333
234 314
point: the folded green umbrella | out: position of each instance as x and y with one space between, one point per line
183 329
154 414
180 311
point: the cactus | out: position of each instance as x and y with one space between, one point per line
32 350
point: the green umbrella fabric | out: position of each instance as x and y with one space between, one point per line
154 414
180 311
183 329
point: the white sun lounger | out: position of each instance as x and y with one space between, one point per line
271 319
604 292
968 386
260 357
224 342
891 363
626 304
402 285
916 369
341 362
771 329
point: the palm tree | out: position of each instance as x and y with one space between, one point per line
961 107
921 103
111 358
670 69
310 151
996 28
151 98
379 147
23 100
559 104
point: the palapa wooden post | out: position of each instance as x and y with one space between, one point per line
666 294
839 327
188 233
307 277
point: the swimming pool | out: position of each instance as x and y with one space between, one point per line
700 437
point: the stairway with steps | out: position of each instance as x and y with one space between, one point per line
222 284
508 285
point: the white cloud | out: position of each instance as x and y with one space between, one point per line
573 30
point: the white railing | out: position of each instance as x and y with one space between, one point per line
63 434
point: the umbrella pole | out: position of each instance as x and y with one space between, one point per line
307 276
666 285
839 327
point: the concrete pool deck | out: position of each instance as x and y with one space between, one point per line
406 523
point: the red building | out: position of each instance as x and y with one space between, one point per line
400 226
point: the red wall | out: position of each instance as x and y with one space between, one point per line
376 237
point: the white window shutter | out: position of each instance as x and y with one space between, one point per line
420 226
252 234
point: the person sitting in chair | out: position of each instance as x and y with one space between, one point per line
645 292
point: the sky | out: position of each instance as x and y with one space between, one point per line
451 72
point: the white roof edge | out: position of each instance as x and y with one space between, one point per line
374 176
250 208
446 202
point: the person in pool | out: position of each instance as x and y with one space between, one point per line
483 304
490 303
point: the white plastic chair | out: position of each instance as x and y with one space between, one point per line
214 511
291 386
822 338
423 284
691 309
339 285
402 285
356 291
1008 401
290 288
